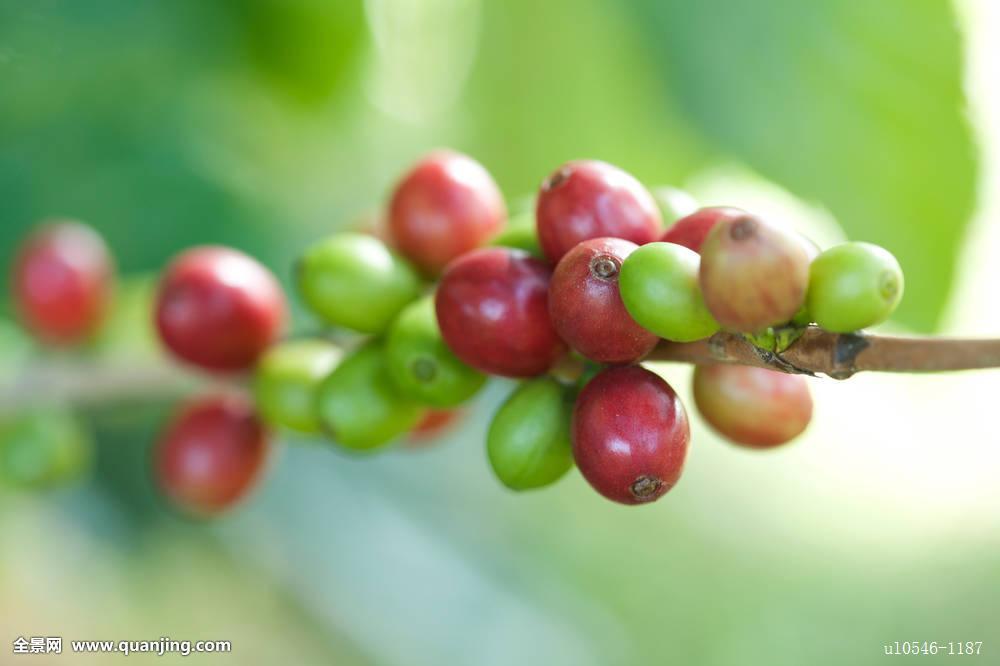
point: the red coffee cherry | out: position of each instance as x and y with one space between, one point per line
753 275
62 282
630 435
492 307
753 407
587 309
211 455
445 206
691 230
590 199
434 424
218 308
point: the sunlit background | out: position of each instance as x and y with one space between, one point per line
266 124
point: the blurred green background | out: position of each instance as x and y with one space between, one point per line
265 124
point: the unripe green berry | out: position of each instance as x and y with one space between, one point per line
43 449
359 405
659 286
674 203
353 280
286 381
529 439
422 365
521 234
853 286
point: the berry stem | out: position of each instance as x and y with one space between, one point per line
839 355
75 382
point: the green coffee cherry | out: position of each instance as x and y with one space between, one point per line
529 439
520 233
286 381
422 365
659 286
359 405
353 280
853 286
43 449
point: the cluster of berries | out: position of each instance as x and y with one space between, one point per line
568 298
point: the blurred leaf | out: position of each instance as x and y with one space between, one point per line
306 48
856 104
570 79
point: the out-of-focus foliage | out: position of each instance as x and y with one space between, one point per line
856 105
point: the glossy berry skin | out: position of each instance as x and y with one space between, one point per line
211 455
590 199
354 280
422 365
528 444
219 309
286 380
853 286
62 282
43 449
586 308
360 407
630 435
445 206
691 230
753 407
753 275
659 286
492 307
521 234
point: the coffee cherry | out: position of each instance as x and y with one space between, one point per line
674 203
630 435
218 308
753 407
528 444
520 234
590 199
43 449
422 365
286 380
659 285
586 308
492 307
445 206
360 407
853 286
62 282
211 455
691 230
433 424
353 280
752 275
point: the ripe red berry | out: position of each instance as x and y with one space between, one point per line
445 206
62 282
590 199
587 309
211 454
630 435
753 275
218 308
691 230
492 307
753 407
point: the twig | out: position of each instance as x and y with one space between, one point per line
83 383
839 355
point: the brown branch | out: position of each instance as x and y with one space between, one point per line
839 355
82 382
